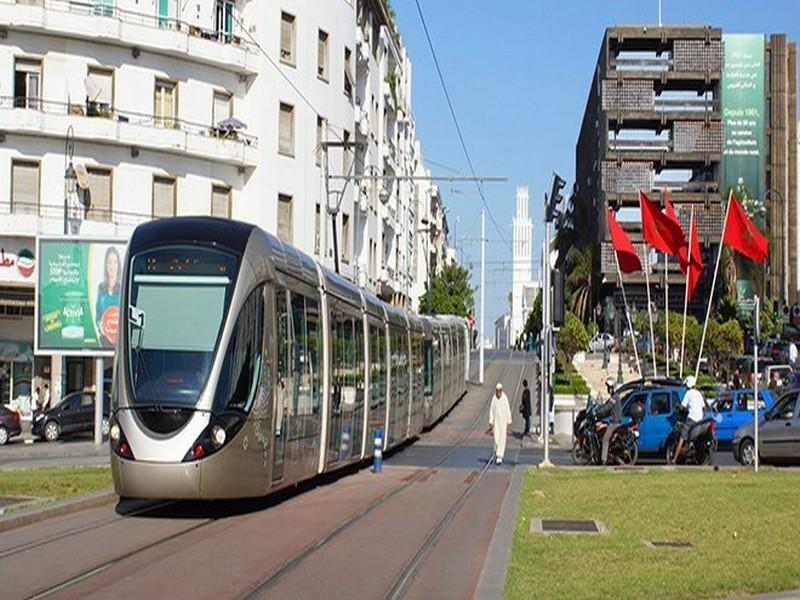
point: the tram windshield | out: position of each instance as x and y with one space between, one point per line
178 299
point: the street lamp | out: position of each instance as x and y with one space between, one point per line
70 176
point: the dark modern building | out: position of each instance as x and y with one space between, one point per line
696 112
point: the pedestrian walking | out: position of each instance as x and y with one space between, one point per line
525 407
46 401
499 420
36 402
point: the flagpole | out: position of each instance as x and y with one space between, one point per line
649 312
666 312
713 286
686 293
628 316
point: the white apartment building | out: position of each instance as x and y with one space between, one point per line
522 261
214 107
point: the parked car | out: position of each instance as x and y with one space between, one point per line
785 372
654 426
9 424
778 433
601 341
74 414
733 409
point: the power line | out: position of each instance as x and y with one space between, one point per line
455 122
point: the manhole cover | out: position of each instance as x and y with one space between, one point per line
669 544
570 526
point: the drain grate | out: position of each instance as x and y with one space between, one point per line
669 544
568 526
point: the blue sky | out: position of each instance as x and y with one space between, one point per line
518 73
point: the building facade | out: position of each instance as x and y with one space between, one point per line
295 116
665 113
522 261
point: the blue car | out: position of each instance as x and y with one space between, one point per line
655 426
734 408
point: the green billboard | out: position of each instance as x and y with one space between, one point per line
78 295
743 109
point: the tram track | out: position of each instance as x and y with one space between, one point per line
95 570
409 571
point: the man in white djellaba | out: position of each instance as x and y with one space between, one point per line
499 420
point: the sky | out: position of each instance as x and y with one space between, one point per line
518 73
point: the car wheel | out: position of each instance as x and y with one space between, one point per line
3 436
747 452
670 452
104 427
51 431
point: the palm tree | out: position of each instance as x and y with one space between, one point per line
579 281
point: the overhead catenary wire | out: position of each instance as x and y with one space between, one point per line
456 123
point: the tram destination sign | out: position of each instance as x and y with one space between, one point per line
77 295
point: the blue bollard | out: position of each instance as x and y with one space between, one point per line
378 454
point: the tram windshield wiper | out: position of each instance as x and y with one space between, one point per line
136 319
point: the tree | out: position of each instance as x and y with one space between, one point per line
571 338
533 325
726 338
449 293
726 309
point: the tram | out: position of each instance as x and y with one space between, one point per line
243 366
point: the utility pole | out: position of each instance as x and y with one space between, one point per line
483 294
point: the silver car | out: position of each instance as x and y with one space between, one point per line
778 433
601 341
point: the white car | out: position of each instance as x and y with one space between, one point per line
601 341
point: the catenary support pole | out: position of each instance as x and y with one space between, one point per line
686 292
547 332
98 400
713 286
483 295
645 251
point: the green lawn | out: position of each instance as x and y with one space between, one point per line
54 483
744 528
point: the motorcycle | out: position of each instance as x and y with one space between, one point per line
702 443
590 428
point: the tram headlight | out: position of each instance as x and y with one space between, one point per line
114 433
119 444
217 436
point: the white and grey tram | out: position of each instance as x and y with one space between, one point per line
243 366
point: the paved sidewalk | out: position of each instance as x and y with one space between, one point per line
19 455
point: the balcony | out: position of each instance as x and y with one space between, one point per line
48 219
33 116
95 21
388 282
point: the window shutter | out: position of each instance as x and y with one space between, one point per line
287 37
222 107
104 80
220 201
322 55
163 197
25 187
99 195
286 126
285 218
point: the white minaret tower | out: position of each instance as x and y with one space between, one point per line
522 250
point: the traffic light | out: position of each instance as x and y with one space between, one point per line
558 298
555 197
775 311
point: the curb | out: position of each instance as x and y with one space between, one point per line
57 509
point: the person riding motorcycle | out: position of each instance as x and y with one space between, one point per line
694 403
612 408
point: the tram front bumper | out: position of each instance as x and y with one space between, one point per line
167 481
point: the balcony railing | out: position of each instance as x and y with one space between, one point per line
110 10
634 144
55 212
98 110
685 105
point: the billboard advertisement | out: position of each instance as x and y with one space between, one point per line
743 114
78 295
17 261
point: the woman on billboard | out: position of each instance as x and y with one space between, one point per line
107 304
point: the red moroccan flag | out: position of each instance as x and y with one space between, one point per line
627 258
695 264
741 234
682 253
658 230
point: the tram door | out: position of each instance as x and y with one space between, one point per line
283 389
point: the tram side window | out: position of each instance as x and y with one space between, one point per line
240 371
314 350
427 351
301 385
377 345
